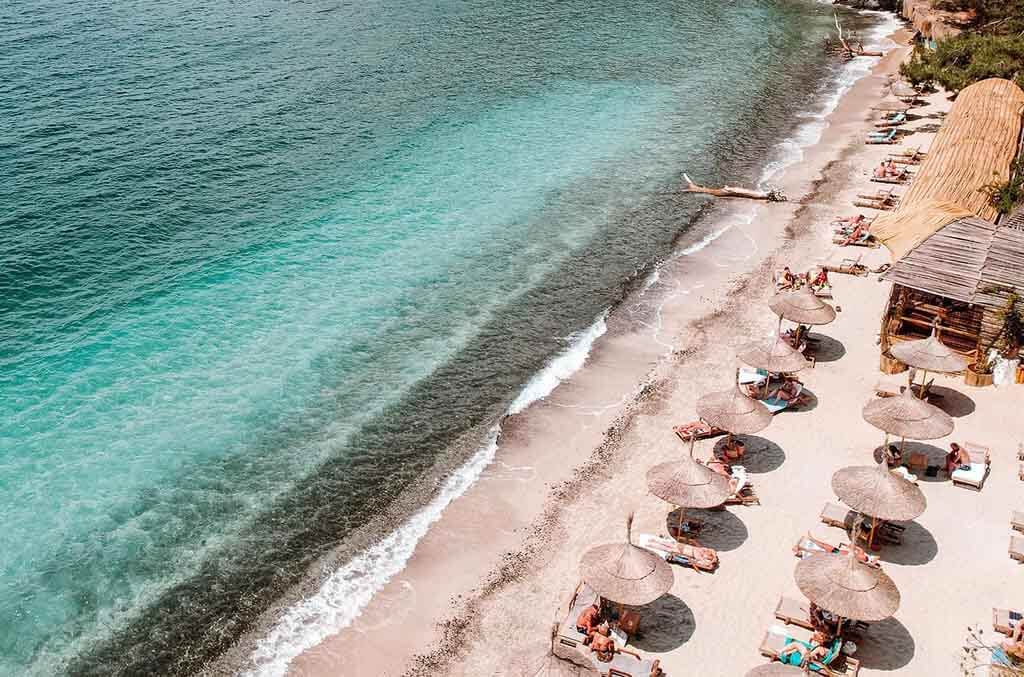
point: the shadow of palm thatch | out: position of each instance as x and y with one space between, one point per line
723 531
887 645
918 547
666 624
825 348
762 454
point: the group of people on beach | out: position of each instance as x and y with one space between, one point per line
596 629
887 169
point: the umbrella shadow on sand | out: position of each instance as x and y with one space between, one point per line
935 455
762 454
918 547
723 531
826 348
667 623
953 402
887 645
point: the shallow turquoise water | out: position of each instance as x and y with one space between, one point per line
262 262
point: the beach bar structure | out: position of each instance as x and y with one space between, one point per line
953 267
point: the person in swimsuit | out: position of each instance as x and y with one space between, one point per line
589 620
956 458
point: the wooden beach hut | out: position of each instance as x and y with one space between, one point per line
963 275
952 264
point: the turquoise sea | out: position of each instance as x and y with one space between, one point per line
262 262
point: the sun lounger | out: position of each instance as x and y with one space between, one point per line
626 665
805 547
835 665
844 518
748 376
887 138
775 404
980 467
894 180
1017 548
1017 521
1005 620
568 636
683 554
698 430
792 611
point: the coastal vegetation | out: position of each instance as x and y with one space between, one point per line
991 46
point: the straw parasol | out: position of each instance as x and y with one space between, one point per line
846 587
929 354
778 670
625 573
733 411
688 484
773 355
908 417
879 492
801 306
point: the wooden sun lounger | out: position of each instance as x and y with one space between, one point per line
1017 548
1001 620
1017 521
746 496
625 665
893 180
843 518
842 666
792 611
699 429
981 466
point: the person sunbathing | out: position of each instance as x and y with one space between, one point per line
856 235
957 458
1014 647
852 220
589 620
733 450
737 480
821 281
788 279
809 545
604 647
788 391
802 653
880 171
824 622
893 456
891 170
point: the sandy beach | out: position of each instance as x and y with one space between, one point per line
485 585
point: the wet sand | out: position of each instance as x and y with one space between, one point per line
484 586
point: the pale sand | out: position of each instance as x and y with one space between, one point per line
482 590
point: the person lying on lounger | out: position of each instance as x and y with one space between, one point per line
852 220
604 647
801 653
788 391
809 545
589 620
957 458
856 235
1014 647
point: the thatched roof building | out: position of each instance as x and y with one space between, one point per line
953 265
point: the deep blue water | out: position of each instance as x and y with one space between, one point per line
263 261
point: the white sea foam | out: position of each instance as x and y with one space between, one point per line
347 590
791 150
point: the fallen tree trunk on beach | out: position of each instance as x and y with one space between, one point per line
734 191
850 50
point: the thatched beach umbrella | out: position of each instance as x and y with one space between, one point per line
908 417
801 306
626 573
879 492
688 484
929 354
734 412
773 355
846 587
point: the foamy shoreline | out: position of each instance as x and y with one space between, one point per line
663 318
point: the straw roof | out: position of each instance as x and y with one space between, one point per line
844 586
625 573
772 355
734 411
903 230
802 306
876 491
776 670
966 258
929 354
688 484
907 416
975 146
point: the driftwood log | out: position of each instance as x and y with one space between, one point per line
852 50
734 191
